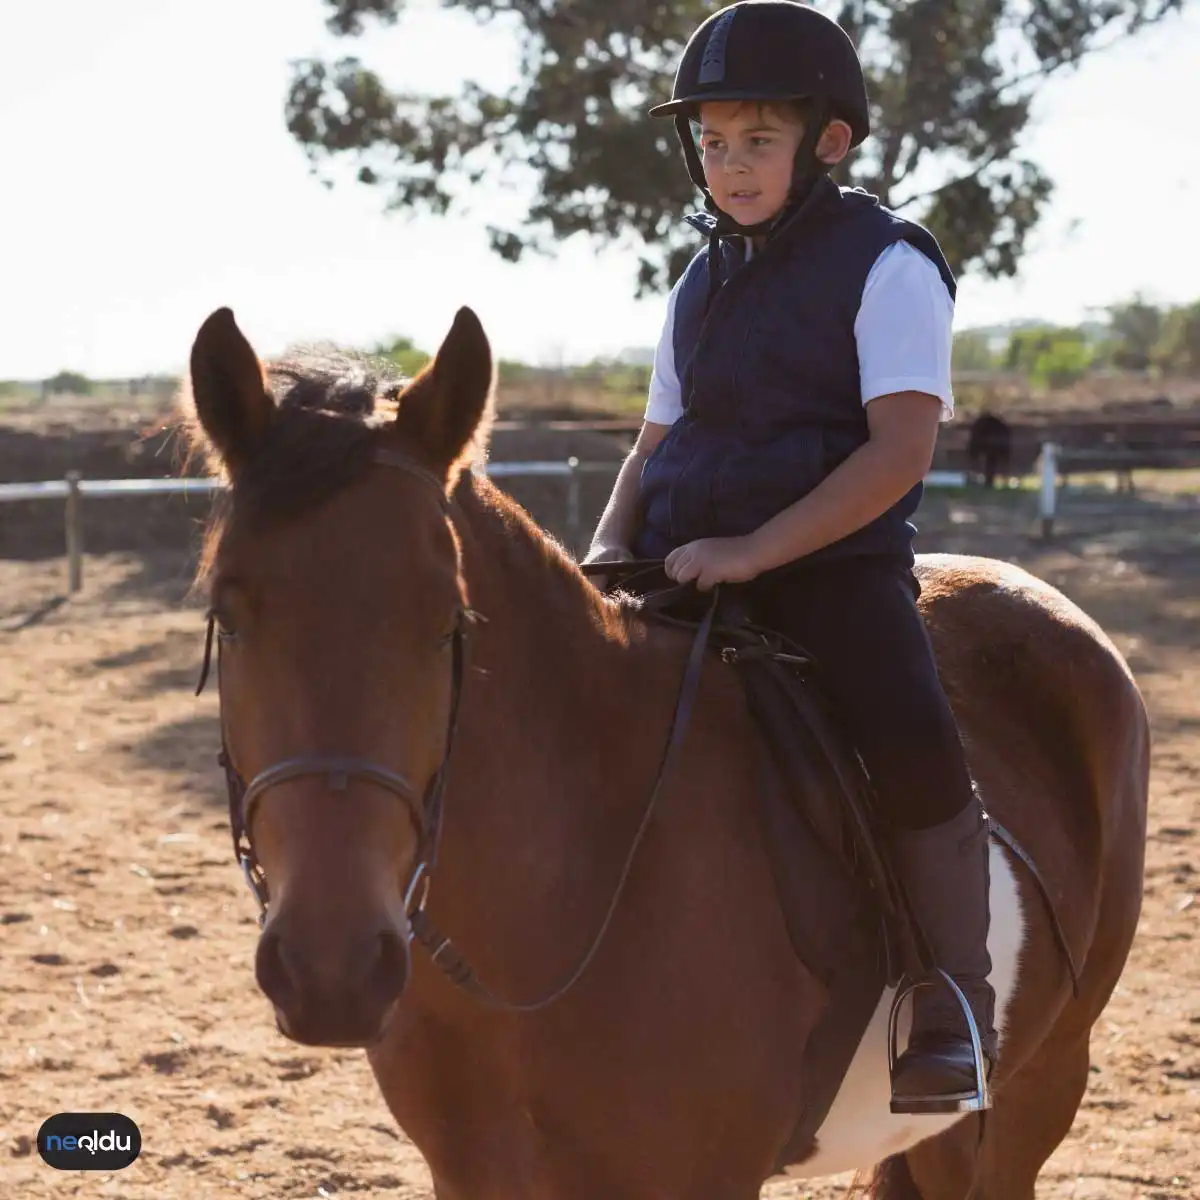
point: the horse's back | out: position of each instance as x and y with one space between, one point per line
1056 734
1005 638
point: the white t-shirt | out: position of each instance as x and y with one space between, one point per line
903 330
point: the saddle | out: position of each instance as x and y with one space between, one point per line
840 900
844 909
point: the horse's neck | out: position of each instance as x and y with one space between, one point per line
562 726
562 667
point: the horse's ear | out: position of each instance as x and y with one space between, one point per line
443 409
229 390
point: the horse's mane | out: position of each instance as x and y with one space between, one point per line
333 408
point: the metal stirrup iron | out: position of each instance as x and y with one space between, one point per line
978 1100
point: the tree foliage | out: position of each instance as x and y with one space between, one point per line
1051 355
1178 348
972 351
402 353
951 83
1135 330
71 383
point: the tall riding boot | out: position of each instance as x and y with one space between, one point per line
944 872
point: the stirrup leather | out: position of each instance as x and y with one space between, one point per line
955 1102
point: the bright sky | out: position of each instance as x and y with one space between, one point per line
148 179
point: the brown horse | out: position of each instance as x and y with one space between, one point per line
350 553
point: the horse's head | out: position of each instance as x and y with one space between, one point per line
338 602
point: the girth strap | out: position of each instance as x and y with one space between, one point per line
1005 838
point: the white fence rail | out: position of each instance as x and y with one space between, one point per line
58 489
74 489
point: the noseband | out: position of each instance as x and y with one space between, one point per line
425 811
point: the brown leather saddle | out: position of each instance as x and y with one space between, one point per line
845 911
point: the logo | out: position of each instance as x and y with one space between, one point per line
89 1141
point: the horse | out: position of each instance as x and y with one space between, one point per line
989 447
443 722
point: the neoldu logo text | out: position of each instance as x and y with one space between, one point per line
89 1141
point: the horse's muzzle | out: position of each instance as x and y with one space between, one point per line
332 992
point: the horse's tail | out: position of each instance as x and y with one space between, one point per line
891 1180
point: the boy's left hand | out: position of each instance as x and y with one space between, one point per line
710 561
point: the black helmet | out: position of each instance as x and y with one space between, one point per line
772 50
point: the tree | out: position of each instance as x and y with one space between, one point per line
1135 329
1178 349
951 82
402 353
1063 362
70 383
972 351
1050 354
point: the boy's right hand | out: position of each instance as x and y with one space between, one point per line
601 554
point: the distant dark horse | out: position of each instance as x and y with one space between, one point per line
350 557
989 448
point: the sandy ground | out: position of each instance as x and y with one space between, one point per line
126 978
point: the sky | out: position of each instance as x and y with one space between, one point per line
146 178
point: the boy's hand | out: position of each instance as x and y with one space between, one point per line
713 560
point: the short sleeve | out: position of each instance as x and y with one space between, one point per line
665 403
904 328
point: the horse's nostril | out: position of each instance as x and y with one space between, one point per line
270 969
390 972
333 993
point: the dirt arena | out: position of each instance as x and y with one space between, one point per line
126 979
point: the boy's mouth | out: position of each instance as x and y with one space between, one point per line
743 195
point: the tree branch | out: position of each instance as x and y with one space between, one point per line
1085 49
933 193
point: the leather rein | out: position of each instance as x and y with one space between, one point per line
426 811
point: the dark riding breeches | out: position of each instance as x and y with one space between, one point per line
859 619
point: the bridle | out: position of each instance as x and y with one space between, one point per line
425 811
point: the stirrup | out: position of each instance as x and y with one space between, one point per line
953 1102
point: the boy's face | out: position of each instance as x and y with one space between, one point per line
748 150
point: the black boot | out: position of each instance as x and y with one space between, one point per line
944 872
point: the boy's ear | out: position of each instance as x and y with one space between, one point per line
834 143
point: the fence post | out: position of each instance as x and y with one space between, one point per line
574 505
1048 493
74 533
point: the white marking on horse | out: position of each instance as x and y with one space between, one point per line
860 1129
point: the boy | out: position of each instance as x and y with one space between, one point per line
793 411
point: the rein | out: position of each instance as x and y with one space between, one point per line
426 812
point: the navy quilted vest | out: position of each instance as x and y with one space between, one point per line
770 378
